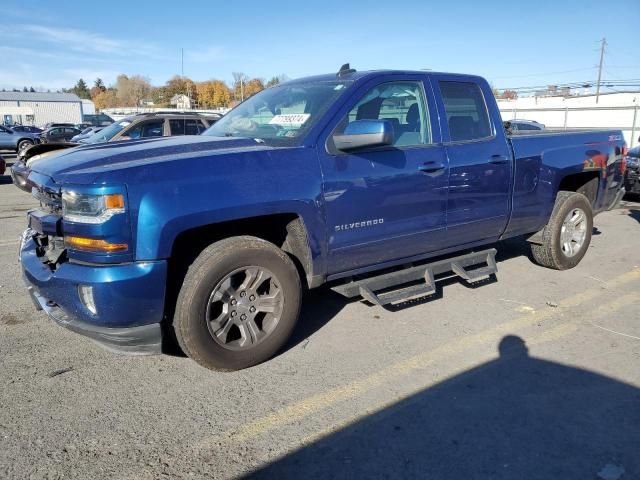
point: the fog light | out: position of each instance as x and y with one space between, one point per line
86 295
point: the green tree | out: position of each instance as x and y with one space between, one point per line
276 80
81 89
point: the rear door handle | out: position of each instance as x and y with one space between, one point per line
498 159
431 167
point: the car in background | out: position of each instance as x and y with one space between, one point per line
25 128
58 134
150 125
632 171
146 125
20 168
97 119
520 125
16 141
3 165
58 124
86 133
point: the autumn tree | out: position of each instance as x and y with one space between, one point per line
252 87
213 94
106 99
132 90
98 87
180 85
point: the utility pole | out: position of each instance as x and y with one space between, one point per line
182 62
604 44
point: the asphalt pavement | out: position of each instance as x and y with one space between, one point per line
535 375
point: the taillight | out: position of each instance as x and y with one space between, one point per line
623 165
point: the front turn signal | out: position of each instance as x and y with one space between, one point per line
93 245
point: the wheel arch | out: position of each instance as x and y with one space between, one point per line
287 231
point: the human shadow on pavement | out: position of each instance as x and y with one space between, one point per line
517 417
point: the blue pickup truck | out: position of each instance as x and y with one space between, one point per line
355 179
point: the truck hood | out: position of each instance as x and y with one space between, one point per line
84 164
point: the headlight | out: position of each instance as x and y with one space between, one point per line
86 208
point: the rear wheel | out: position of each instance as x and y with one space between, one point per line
566 237
238 305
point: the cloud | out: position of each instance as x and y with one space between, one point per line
76 39
82 41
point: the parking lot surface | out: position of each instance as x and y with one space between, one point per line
534 375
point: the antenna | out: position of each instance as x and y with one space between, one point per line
345 70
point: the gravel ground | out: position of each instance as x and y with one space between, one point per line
535 375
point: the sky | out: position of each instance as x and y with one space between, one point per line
49 45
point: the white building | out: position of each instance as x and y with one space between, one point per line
181 101
37 108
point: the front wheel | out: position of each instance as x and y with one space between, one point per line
566 237
238 305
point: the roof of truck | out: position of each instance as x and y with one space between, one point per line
359 75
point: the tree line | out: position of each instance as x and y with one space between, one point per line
136 91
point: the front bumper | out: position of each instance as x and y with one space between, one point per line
128 298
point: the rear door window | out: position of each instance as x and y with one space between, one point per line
176 125
467 114
194 126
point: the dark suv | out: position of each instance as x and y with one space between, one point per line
58 134
148 125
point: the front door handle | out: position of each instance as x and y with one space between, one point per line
431 167
498 159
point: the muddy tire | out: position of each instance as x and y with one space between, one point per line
238 305
566 238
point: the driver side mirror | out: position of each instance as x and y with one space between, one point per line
365 134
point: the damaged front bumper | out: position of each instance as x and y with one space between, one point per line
119 306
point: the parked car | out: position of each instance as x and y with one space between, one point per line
20 168
3 165
98 119
518 125
54 124
632 174
82 126
86 133
345 179
137 127
58 134
25 128
16 141
149 125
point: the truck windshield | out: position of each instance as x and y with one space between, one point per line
280 115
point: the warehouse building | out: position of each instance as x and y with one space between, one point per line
37 108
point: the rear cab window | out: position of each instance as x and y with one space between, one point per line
466 109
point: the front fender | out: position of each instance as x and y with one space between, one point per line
249 186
